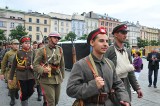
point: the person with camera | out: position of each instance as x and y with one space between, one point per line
94 77
153 66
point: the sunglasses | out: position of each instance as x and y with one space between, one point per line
123 32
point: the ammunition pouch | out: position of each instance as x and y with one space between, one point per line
97 99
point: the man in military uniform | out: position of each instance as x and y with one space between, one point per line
94 77
49 63
6 67
121 57
22 64
39 92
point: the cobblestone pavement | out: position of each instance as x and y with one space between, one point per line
151 95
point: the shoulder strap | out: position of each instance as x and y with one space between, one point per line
44 51
109 64
90 66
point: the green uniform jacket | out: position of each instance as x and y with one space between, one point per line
57 58
82 85
7 61
25 74
131 79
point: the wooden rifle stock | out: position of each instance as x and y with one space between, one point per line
74 54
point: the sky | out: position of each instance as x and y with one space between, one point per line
147 12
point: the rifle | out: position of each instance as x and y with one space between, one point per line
73 52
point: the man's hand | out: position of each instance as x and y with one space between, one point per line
10 81
99 82
123 103
140 94
1 77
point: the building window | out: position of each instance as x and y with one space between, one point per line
62 24
30 19
37 37
12 25
37 29
67 24
1 24
62 30
55 22
30 28
45 29
37 21
45 21
55 28
66 30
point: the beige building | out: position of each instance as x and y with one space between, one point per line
37 25
91 22
9 19
60 23
149 34
103 21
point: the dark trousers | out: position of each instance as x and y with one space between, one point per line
26 88
151 70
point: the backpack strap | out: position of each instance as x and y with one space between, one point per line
44 51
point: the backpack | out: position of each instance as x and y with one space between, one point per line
142 66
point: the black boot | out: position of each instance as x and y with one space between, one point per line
9 93
39 91
12 95
44 103
16 94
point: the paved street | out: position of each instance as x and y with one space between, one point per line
151 95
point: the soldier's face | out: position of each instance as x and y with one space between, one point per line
121 37
15 46
35 46
53 40
26 45
100 44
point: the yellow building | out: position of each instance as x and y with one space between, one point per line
37 25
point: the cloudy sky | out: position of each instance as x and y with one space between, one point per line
147 12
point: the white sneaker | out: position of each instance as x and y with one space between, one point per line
134 92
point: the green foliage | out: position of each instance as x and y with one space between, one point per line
143 43
18 32
83 37
70 36
126 43
2 36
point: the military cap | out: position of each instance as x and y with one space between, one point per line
55 34
25 39
35 42
95 32
14 41
119 28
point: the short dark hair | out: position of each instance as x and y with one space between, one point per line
138 53
35 42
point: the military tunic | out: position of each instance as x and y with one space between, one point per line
6 67
82 85
50 85
24 73
130 79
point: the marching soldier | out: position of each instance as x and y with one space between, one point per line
39 92
22 63
6 67
49 63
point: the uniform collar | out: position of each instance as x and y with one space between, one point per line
118 48
97 60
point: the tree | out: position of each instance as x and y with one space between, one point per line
70 36
142 43
154 43
2 36
18 32
83 37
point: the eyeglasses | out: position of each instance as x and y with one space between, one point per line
123 32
